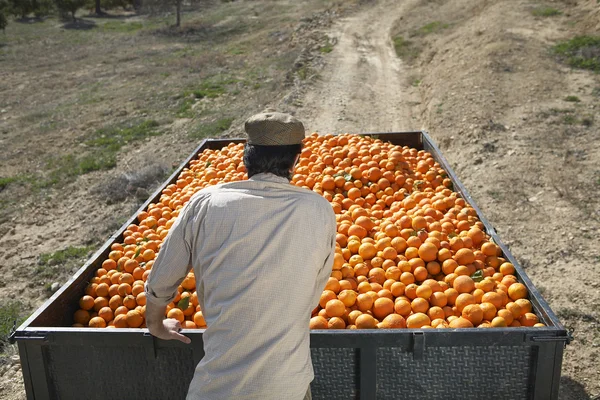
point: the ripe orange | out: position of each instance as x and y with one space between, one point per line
382 307
473 313
336 323
97 322
82 317
365 321
417 320
461 322
515 291
335 308
134 319
201 322
463 284
392 321
176 313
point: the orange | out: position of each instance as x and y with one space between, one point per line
318 323
81 317
336 323
438 299
428 252
348 297
528 319
417 320
494 298
525 305
514 308
367 251
86 303
489 311
424 292
365 321
463 284
463 300
333 285
325 297
392 321
97 322
201 322
176 313
134 319
506 315
402 307
120 321
335 308
499 322
382 307
352 315
461 323
464 256
515 291
473 313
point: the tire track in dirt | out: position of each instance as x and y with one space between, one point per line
365 86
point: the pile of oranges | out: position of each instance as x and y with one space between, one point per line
410 252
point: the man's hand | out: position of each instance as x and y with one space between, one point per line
169 330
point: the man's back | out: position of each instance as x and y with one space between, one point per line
262 251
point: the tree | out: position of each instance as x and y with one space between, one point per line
3 13
70 6
21 8
155 6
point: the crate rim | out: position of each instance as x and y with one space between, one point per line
24 330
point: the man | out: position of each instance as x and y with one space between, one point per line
262 251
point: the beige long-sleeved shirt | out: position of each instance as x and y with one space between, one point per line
262 251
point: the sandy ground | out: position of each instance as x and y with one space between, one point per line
487 90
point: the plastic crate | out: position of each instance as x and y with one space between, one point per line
59 362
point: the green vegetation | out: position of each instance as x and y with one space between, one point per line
211 129
66 168
406 49
303 72
124 27
214 87
432 27
115 137
210 88
573 99
580 52
569 116
545 12
11 313
51 265
327 47
4 182
62 256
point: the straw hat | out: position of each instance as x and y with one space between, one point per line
271 128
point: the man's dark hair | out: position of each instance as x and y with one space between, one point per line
277 160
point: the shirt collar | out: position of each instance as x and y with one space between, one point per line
268 177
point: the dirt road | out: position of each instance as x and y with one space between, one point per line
364 89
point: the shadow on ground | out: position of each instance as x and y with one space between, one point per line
111 16
573 390
80 24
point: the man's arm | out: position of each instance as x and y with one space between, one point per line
170 268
